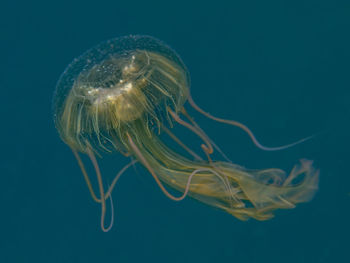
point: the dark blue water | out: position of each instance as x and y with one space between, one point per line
281 67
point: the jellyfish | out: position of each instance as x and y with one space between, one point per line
123 94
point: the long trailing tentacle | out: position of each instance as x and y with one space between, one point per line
86 176
246 129
99 178
112 215
102 193
116 178
88 182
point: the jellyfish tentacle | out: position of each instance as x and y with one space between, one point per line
112 216
116 178
208 148
86 176
179 142
185 113
88 182
99 178
207 153
246 129
100 184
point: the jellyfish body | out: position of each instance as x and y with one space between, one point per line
120 95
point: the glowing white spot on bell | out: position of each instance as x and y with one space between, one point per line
128 87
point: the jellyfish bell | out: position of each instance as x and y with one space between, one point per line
116 86
119 95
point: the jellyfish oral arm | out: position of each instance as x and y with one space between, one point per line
149 168
159 183
143 160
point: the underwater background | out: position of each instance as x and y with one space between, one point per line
280 67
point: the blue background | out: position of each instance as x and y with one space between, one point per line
281 67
